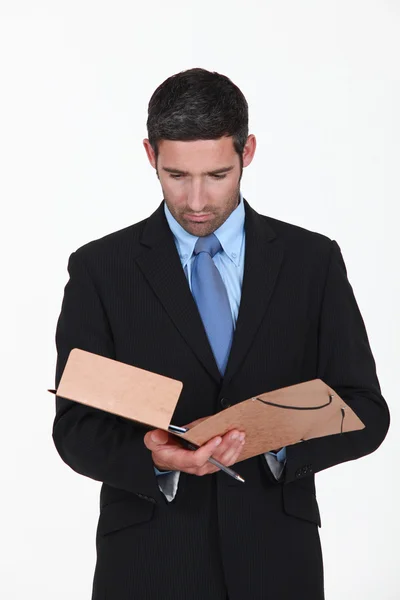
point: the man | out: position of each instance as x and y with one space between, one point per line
231 303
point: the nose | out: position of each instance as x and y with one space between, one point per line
196 199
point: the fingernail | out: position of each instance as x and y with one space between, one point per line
234 436
217 441
241 437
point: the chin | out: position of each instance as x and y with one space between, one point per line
199 229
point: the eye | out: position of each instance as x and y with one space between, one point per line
179 176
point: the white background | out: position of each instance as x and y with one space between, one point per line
322 82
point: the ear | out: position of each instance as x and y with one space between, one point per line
150 153
249 150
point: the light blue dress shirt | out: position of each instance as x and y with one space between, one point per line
230 264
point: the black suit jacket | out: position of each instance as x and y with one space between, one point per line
128 299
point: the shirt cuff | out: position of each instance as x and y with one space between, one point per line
276 466
280 455
157 472
169 485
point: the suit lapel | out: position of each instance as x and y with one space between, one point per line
263 258
161 265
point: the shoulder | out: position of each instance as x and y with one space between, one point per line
291 235
113 245
294 234
302 247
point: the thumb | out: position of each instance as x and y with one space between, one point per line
159 436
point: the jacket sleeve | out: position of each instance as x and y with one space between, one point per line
345 363
92 442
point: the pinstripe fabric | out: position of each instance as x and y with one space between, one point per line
230 264
127 298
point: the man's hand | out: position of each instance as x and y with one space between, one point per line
168 454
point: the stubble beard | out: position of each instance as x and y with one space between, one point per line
204 229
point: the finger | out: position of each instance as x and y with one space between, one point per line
236 457
206 469
156 438
230 442
180 459
200 457
233 451
203 467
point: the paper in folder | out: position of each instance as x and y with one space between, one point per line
270 420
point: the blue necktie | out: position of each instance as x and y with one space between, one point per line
211 298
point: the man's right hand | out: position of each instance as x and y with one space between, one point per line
168 454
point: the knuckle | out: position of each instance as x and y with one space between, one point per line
222 448
198 461
205 471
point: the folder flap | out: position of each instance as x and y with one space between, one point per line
119 388
299 412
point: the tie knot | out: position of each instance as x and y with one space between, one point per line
209 244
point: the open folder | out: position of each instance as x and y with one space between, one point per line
270 420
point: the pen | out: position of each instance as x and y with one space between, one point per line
216 463
223 468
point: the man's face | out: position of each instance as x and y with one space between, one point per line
200 180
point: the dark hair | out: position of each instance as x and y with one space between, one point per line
198 105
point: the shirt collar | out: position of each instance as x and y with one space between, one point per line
185 241
230 234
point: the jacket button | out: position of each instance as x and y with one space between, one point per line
298 473
225 402
305 470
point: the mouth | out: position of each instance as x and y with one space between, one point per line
197 218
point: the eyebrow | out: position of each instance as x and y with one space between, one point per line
215 172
